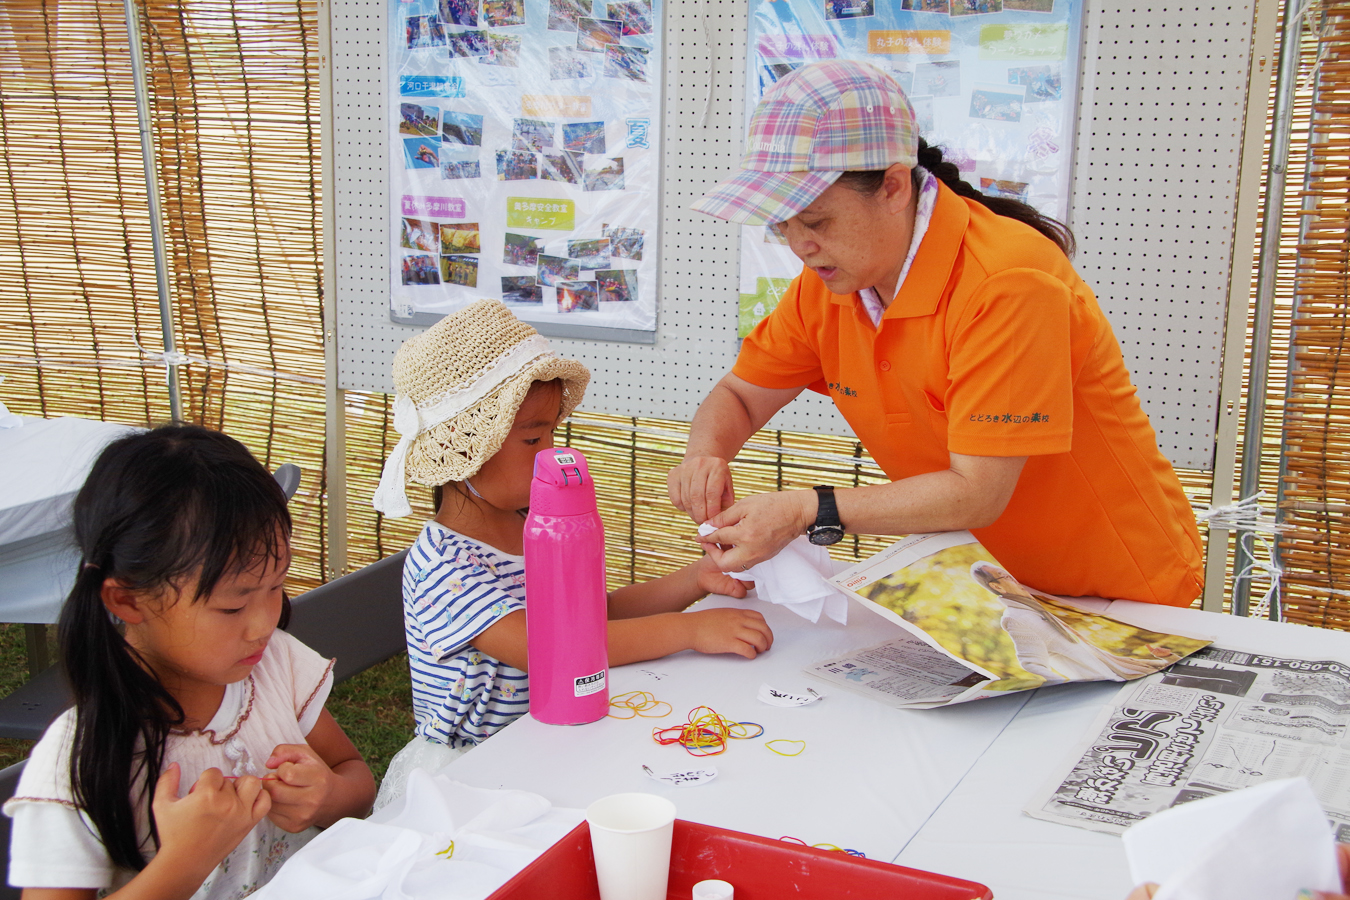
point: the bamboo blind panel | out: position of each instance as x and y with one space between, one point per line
1316 481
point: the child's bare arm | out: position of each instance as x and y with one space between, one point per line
505 640
673 592
319 781
740 631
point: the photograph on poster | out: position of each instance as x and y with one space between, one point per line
461 270
463 13
996 102
568 62
992 187
425 31
905 80
417 119
938 79
624 242
932 6
553 270
504 13
577 295
420 270
460 237
561 166
421 152
514 165
849 9
531 134
976 7
521 250
462 128
584 137
563 15
469 43
923 114
594 35
1040 6
1042 82
636 15
419 234
626 62
774 235
521 289
617 285
589 254
459 160
608 177
503 50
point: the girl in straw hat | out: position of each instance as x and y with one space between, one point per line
478 395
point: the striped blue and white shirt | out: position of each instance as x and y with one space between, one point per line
454 588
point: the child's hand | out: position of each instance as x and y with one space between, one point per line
300 788
711 580
203 827
741 631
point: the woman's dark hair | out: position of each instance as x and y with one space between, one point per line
930 158
175 508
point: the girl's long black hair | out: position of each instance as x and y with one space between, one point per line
930 158
168 510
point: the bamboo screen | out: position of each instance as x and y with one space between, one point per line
1315 487
234 95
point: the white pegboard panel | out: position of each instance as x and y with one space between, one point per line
1156 163
1161 114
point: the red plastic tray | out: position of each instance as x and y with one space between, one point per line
759 868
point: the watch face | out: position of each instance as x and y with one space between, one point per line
825 534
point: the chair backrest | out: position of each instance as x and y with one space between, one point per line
288 476
357 619
9 782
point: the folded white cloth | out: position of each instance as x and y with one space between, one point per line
404 851
1260 843
796 578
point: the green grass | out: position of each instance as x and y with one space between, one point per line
374 708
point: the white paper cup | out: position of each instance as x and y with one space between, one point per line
630 837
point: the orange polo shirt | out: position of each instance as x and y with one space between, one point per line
995 347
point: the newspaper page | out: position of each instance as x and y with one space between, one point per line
949 592
1221 720
905 673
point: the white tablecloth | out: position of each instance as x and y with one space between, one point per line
42 466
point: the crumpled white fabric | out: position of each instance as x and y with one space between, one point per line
1262 842
8 419
398 854
796 579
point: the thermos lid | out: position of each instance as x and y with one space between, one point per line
562 484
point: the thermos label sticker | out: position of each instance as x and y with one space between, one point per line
589 684
566 459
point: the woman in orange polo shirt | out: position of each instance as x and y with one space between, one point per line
955 337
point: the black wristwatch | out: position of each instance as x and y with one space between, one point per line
827 528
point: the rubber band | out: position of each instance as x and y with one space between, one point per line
705 732
639 703
800 750
833 848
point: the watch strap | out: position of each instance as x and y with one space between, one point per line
827 511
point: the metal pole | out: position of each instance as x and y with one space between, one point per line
152 199
1267 267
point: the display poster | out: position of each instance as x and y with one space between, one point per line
524 154
993 82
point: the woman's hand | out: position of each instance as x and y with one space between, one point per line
701 486
712 580
756 528
740 631
301 788
201 829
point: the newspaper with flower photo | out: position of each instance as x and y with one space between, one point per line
974 631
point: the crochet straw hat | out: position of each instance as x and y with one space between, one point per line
458 387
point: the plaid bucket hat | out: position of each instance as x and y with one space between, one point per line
818 122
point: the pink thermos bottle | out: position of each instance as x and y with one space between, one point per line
565 603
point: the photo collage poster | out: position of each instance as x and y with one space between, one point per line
524 161
993 82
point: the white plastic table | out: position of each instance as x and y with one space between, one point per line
940 790
43 463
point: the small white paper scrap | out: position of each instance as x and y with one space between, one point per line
775 697
683 778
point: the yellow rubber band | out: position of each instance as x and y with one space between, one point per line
770 745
